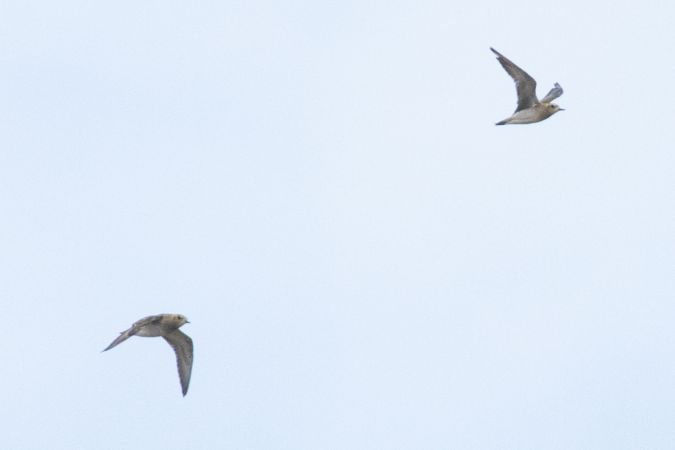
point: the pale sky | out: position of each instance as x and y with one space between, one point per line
366 260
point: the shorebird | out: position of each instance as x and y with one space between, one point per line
529 109
167 326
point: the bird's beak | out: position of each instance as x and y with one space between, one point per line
561 109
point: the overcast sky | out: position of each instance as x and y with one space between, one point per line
366 260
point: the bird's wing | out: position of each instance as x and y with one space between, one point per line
126 334
182 345
526 86
554 93
147 321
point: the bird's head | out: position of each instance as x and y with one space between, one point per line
553 108
180 319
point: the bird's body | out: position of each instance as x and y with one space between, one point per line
530 109
533 114
166 326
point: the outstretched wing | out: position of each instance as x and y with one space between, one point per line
554 93
126 334
182 345
526 86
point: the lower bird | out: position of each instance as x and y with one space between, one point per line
166 326
529 109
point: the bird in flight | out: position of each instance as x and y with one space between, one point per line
167 326
529 109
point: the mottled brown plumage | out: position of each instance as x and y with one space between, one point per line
166 326
529 109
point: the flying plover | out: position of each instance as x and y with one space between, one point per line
167 326
530 109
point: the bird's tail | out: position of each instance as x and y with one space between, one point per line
503 122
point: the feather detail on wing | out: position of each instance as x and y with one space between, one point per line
182 345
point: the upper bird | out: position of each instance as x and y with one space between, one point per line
529 109
167 326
